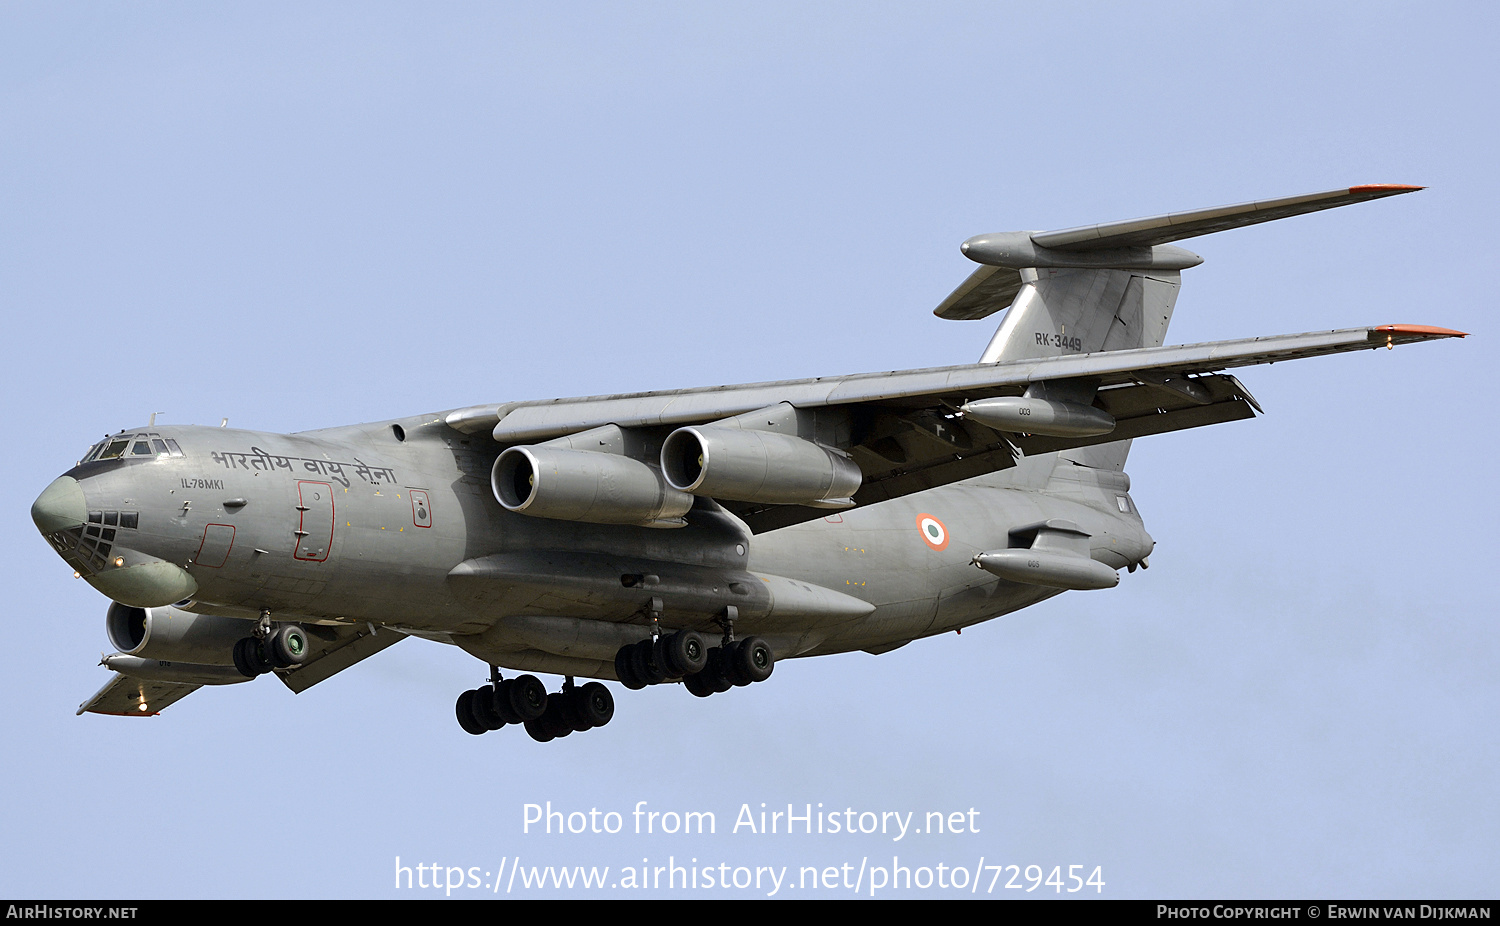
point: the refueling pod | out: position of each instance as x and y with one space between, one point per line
1050 418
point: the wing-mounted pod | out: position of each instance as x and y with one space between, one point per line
779 455
1053 554
1059 408
595 476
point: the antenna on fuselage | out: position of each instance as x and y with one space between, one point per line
152 422
224 423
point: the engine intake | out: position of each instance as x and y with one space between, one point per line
174 635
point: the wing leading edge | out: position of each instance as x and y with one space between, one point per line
521 422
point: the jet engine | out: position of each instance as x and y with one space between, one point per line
174 635
759 466
583 485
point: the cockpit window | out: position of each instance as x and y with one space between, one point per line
134 446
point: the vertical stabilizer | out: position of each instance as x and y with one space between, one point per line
1104 287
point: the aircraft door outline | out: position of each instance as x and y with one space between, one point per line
315 521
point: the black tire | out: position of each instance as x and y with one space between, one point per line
528 697
716 673
572 710
465 711
242 660
594 704
500 701
484 710
730 665
699 684
685 653
555 719
259 658
537 730
645 663
625 668
287 646
754 660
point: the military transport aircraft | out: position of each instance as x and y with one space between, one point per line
693 535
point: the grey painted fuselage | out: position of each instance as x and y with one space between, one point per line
352 525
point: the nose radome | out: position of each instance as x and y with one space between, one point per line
61 506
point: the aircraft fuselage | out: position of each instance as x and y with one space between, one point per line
395 524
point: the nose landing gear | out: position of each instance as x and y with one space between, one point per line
270 648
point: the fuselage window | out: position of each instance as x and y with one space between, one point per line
130 519
141 448
114 450
176 450
159 445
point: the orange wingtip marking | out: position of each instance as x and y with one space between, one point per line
1427 330
1386 187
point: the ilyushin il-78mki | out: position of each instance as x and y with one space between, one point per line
692 535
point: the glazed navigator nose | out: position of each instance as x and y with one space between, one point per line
60 507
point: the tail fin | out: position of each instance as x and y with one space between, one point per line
1103 287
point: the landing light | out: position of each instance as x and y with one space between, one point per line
119 560
141 706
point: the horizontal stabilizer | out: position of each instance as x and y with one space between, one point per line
1175 226
1134 244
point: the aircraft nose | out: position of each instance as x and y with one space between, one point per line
60 507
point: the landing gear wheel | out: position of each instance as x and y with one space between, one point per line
502 705
287 646
647 668
593 704
556 717
483 707
259 659
700 684
537 730
528 697
684 653
242 660
716 674
754 660
731 665
625 668
465 711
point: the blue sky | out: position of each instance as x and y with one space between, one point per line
299 216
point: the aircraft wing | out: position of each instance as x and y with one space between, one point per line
908 434
127 696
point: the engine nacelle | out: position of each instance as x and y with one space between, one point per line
759 466
175 635
581 485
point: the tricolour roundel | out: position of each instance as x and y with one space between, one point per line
934 532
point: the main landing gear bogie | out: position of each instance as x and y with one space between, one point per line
703 670
524 700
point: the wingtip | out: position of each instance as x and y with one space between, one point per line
1387 188
1422 331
